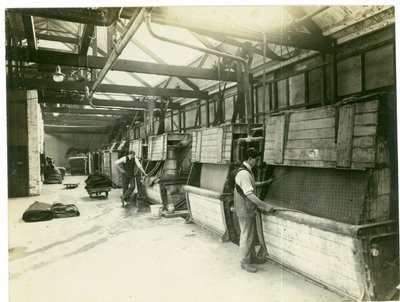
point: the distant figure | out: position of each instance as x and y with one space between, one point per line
129 166
246 204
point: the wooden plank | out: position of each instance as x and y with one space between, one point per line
380 208
364 141
312 114
370 118
280 139
364 130
345 136
323 258
323 143
381 182
311 154
308 163
371 106
312 133
312 124
362 166
364 155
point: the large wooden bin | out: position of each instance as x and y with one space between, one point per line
332 179
168 164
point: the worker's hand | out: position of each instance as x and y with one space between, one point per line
264 208
269 181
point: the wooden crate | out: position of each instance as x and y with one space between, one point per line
137 146
309 137
158 144
215 145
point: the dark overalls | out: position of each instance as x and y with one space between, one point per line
246 213
129 178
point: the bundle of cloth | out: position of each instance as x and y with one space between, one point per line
41 211
53 175
98 180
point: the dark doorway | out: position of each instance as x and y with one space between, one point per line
18 180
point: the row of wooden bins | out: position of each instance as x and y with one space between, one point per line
334 185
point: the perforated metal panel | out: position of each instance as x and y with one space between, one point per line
335 194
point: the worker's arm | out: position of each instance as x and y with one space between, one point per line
139 165
243 179
119 164
262 206
264 183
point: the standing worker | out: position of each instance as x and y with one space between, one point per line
128 165
246 205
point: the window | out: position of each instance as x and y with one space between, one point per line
349 75
281 95
379 67
315 86
228 108
297 90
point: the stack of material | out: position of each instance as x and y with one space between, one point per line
98 180
78 165
41 211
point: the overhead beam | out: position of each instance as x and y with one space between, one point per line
75 117
75 129
160 60
209 28
226 40
50 85
92 111
133 104
61 121
69 59
57 38
29 31
297 12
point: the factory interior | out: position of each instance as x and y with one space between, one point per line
128 130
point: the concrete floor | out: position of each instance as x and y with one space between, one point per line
110 253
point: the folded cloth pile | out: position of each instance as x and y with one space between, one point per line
64 210
38 211
98 180
41 211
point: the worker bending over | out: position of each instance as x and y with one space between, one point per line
129 166
246 205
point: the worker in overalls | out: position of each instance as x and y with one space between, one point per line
246 205
128 165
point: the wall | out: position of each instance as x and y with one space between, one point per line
35 141
58 144
25 142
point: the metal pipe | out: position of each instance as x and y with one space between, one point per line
240 60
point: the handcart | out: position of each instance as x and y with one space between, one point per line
97 191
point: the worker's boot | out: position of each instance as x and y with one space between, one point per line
256 260
122 200
248 267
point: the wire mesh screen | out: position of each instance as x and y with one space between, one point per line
329 193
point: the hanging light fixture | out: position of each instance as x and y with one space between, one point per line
58 76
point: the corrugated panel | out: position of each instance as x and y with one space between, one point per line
338 195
